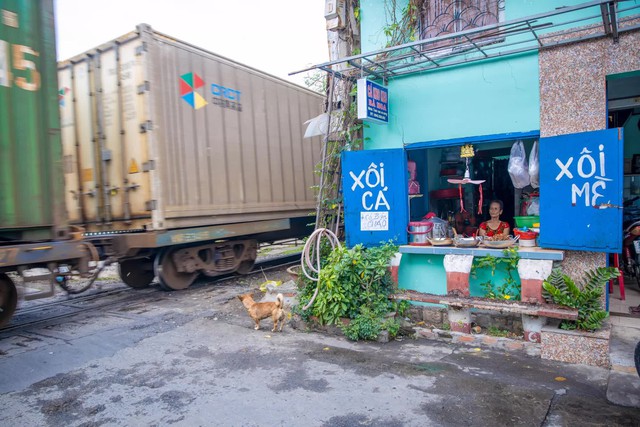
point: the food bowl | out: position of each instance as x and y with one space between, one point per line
467 242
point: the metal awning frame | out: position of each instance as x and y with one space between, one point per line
493 41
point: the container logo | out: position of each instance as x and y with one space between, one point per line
62 94
189 82
222 96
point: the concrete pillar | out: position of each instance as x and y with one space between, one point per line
532 326
532 273
460 319
458 268
394 265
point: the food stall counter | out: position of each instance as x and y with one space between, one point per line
523 252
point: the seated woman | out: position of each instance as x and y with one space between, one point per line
494 227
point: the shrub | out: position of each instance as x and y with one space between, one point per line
355 284
561 289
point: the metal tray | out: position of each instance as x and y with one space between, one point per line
500 244
441 242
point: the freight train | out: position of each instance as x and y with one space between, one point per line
169 159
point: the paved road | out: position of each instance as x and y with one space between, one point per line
192 358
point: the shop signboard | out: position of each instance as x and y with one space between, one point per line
581 191
376 199
373 102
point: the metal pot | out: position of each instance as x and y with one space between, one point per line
419 232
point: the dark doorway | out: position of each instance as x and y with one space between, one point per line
492 166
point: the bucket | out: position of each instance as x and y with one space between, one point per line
527 238
419 232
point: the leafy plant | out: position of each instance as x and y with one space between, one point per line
365 326
497 332
507 290
561 289
353 283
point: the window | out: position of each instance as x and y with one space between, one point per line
442 17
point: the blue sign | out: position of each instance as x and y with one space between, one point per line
373 102
376 199
581 191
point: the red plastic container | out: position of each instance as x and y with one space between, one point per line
445 193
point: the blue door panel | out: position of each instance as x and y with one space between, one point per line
581 191
376 200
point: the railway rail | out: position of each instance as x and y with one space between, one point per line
116 293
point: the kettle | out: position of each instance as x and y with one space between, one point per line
441 228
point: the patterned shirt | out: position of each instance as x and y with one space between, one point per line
490 231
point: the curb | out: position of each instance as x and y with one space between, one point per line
480 340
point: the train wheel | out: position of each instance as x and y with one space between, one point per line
169 277
246 267
8 299
136 273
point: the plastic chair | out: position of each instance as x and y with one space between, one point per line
616 264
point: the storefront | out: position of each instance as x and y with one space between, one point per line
480 78
576 100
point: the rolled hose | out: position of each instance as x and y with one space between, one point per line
312 250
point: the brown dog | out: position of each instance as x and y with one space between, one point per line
262 310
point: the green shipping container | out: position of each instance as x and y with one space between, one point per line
31 174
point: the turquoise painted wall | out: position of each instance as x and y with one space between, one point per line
425 273
488 97
480 276
491 98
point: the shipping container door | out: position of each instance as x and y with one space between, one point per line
376 200
135 118
581 191
72 183
122 123
77 115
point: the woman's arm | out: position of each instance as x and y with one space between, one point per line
506 230
482 229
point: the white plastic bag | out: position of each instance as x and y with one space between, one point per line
534 166
518 168
534 207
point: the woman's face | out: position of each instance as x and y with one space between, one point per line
494 210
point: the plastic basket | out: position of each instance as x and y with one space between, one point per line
526 221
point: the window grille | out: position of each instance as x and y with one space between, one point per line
443 17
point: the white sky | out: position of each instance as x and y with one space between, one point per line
275 36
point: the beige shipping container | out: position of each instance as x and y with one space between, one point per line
159 134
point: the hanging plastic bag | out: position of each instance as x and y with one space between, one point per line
534 166
534 207
518 168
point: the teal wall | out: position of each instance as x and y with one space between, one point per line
484 98
491 98
480 276
425 273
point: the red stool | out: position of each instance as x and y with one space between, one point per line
616 264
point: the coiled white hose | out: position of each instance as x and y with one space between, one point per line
311 249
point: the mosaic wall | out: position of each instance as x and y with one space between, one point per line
573 82
573 99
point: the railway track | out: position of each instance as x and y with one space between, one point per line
105 296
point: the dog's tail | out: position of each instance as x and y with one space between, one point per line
279 300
